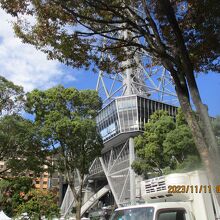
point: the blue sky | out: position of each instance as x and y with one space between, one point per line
209 87
24 65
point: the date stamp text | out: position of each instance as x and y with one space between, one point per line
191 189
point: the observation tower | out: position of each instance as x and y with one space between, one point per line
129 100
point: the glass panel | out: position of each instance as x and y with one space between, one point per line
172 215
127 108
107 121
146 213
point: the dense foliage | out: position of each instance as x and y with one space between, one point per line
165 145
18 196
21 146
64 128
65 117
38 204
11 193
67 30
11 97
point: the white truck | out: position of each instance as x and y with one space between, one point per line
179 196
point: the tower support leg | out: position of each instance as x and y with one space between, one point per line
132 173
110 183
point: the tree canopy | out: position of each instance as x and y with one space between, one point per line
18 196
11 193
65 117
68 30
11 97
165 145
38 204
21 146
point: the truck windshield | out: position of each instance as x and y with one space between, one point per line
145 213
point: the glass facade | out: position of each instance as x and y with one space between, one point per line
146 107
128 114
107 121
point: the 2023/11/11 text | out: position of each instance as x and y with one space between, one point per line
191 188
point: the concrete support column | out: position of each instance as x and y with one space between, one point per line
132 173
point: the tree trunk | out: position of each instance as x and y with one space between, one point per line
210 140
78 209
204 117
209 157
77 194
186 70
202 131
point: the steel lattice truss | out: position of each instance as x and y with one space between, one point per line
146 79
116 168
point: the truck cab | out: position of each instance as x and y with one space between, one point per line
155 211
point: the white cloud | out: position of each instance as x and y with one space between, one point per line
23 64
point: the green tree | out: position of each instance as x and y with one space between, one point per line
39 203
181 35
179 142
11 193
149 146
11 97
164 145
21 146
66 119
